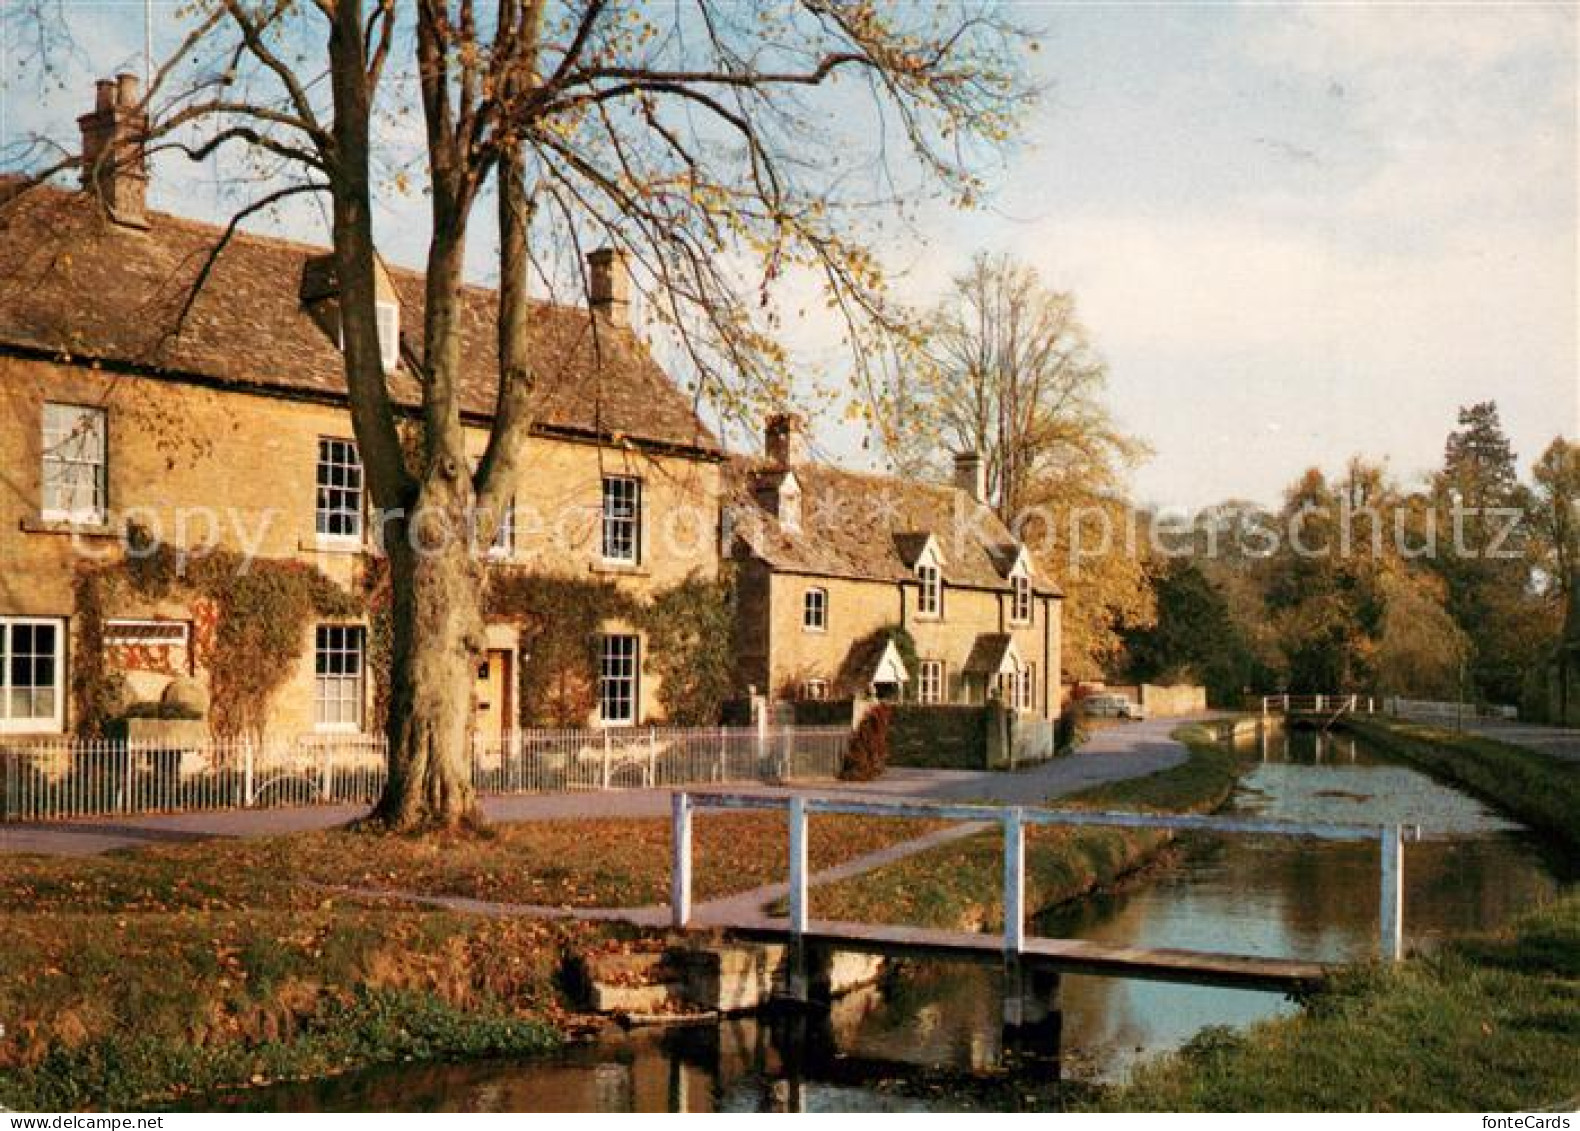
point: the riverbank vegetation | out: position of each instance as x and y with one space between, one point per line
1488 1023
959 885
1536 788
149 977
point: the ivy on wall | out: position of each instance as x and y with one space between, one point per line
561 620
689 635
251 623
252 617
865 652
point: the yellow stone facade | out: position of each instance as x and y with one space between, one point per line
204 466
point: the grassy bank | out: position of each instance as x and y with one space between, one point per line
1485 1024
959 885
1539 790
140 978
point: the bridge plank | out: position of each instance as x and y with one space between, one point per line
1070 955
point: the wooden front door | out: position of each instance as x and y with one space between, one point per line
491 698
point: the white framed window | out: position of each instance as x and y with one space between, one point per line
1020 599
622 519
32 675
339 506
815 690
503 547
930 682
1028 688
505 537
74 481
125 633
388 315
617 680
930 598
340 677
814 610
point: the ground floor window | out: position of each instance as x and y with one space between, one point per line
32 674
930 682
1028 688
815 690
617 680
339 690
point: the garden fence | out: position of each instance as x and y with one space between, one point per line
61 778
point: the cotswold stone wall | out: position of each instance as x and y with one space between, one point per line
1169 702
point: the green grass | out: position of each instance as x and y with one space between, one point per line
1539 790
1486 1024
137 978
960 885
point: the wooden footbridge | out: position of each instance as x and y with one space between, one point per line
1021 953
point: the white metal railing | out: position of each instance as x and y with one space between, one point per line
65 777
1320 704
62 778
548 761
1014 820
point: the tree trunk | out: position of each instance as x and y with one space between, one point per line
437 641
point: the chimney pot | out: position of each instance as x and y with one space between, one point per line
126 90
970 475
114 162
609 284
784 439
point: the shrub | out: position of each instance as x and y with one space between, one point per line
868 755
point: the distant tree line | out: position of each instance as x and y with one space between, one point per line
1460 585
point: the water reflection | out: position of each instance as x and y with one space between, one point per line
925 1037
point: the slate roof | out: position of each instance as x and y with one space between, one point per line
869 527
73 283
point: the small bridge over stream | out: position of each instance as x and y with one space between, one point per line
1028 960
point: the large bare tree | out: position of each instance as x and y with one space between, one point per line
1010 372
693 136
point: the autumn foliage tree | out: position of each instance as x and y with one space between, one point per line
693 137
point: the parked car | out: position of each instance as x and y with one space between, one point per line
1112 707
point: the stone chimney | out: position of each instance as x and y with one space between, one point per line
114 164
971 476
784 439
609 284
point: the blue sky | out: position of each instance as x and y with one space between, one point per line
1297 233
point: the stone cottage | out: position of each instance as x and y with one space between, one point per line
853 585
214 417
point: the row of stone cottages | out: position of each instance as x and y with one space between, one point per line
229 427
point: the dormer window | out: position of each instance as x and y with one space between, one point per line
1020 599
388 314
930 598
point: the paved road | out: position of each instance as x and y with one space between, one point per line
1127 751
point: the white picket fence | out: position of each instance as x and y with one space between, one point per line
61 778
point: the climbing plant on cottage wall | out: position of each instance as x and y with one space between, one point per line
250 620
561 620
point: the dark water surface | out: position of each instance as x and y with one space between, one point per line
929 1037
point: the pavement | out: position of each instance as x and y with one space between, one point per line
1120 752
1562 743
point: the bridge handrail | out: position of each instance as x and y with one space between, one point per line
1120 818
1014 819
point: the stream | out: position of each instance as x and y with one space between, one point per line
928 1036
